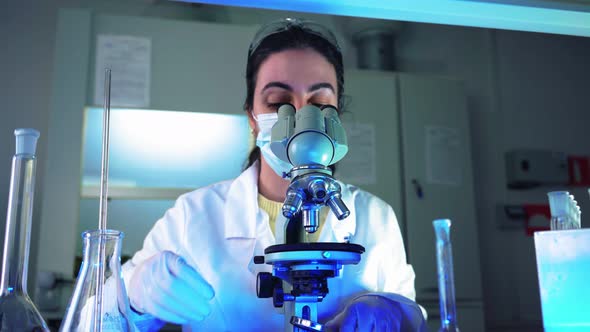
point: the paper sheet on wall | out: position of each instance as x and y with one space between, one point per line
443 155
129 59
358 166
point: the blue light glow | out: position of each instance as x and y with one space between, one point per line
521 16
164 149
563 264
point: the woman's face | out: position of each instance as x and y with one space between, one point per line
296 76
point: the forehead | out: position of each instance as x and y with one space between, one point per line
298 68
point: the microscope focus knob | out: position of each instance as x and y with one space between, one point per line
278 295
258 259
265 284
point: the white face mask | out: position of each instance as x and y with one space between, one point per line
265 123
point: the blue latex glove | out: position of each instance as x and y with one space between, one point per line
166 287
371 313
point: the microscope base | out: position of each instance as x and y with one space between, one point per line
304 269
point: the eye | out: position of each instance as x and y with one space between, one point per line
322 106
274 106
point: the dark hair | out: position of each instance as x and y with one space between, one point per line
291 37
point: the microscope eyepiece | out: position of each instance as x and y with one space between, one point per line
318 189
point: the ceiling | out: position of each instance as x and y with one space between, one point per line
568 17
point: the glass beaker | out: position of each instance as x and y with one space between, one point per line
99 302
446 280
17 311
563 267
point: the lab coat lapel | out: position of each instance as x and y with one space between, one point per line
242 214
243 237
246 226
241 206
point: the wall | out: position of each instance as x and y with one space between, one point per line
27 36
525 90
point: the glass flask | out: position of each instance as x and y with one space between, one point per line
446 280
17 311
563 267
99 301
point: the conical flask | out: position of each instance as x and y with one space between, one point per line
99 302
17 311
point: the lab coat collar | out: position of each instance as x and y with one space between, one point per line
241 207
242 213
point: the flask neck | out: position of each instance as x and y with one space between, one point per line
18 226
91 307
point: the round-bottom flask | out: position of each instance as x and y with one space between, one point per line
99 301
17 311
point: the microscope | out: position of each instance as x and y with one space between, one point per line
311 140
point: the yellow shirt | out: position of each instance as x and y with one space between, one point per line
273 209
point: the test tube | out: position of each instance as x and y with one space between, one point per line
446 281
558 203
572 211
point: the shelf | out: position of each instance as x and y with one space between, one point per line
134 192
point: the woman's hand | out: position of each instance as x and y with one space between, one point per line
368 313
166 287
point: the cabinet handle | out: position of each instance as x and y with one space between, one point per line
418 189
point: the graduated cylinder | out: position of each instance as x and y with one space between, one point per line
446 280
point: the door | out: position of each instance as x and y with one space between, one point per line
371 121
438 183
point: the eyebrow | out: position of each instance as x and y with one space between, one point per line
323 85
314 87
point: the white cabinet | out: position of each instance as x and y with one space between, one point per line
437 160
423 169
373 104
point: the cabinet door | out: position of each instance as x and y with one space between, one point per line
371 119
438 182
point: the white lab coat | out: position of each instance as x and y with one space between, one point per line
220 228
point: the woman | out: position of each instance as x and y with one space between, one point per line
196 266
